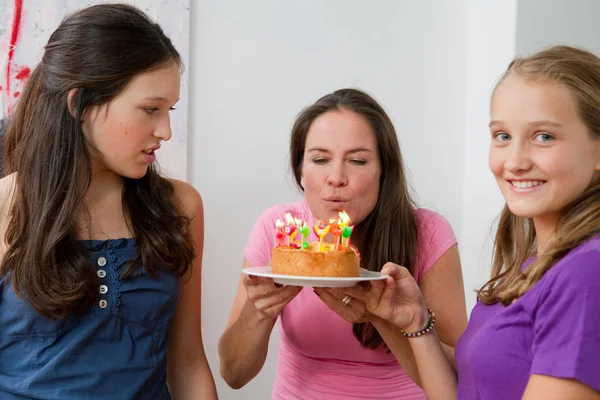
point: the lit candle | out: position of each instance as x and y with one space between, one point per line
321 233
346 229
290 229
279 233
345 219
304 231
346 232
298 223
336 231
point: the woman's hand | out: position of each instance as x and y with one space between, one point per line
351 310
398 299
268 297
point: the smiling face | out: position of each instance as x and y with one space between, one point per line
341 168
542 153
125 133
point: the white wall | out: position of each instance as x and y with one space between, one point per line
541 23
490 50
255 65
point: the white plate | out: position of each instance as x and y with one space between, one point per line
314 281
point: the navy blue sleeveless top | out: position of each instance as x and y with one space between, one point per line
116 350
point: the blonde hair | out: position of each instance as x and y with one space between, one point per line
579 71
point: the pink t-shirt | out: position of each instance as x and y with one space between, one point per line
319 357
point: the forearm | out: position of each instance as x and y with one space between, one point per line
449 352
192 381
243 347
402 350
438 378
399 346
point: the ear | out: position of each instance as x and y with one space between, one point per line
70 102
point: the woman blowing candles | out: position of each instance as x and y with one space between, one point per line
345 156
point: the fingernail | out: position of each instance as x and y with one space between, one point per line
278 285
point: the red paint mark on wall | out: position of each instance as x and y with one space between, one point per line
16 25
23 74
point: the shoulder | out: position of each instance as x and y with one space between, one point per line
575 278
188 198
434 238
589 248
431 225
7 189
7 185
578 270
427 218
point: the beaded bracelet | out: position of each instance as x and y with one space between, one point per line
428 327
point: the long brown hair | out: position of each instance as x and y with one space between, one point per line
579 71
391 227
97 51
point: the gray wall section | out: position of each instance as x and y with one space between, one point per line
542 23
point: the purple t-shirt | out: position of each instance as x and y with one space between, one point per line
554 330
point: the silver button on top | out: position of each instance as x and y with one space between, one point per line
102 303
103 289
101 273
102 261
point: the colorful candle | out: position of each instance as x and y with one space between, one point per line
340 229
298 223
344 219
321 233
336 231
304 231
346 233
346 229
290 231
279 233
291 228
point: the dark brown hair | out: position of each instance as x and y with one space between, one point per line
391 226
97 50
579 71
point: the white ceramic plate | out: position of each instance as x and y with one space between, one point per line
314 281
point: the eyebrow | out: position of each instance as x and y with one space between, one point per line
352 151
157 98
532 124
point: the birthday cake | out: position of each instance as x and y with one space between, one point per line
322 259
